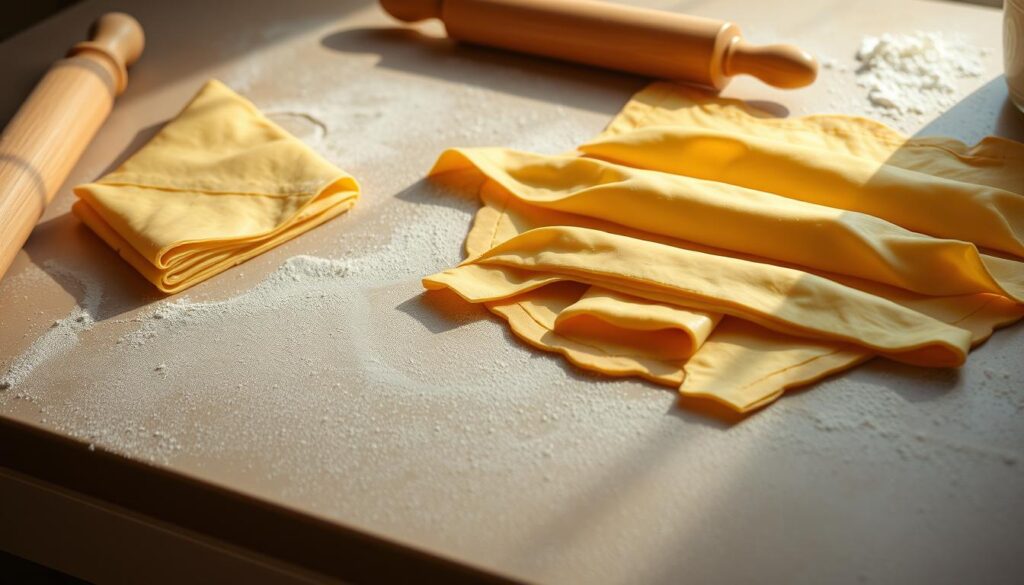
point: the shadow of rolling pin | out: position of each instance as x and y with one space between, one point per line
48 134
652 43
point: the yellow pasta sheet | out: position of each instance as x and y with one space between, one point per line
216 186
702 244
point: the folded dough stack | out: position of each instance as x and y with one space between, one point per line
216 186
702 244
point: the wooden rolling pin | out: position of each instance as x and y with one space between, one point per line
652 43
45 139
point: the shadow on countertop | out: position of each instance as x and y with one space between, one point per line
410 51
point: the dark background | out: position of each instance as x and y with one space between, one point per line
25 14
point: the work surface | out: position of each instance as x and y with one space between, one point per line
338 390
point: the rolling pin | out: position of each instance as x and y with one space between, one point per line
48 134
648 42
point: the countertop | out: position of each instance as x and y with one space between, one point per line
343 407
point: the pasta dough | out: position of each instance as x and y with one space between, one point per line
216 186
685 245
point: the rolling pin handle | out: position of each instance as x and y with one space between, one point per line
48 134
118 37
412 10
782 66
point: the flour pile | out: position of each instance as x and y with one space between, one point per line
916 73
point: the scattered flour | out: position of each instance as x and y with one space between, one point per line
63 333
293 278
425 238
916 73
359 123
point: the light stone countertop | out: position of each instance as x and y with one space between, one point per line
355 400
